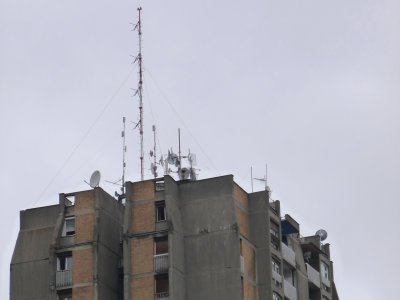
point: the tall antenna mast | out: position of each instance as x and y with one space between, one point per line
139 91
154 153
123 157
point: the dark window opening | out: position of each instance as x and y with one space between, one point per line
162 286
161 245
161 213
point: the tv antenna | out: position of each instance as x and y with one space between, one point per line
139 91
264 179
153 154
175 160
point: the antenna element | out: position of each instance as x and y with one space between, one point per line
139 92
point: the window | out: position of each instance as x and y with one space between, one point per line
64 295
324 270
69 226
276 268
274 231
161 245
64 262
276 296
162 286
161 213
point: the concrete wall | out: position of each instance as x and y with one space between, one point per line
211 244
177 288
31 254
259 236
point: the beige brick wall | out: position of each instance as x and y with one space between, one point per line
83 293
82 266
143 288
84 216
84 227
249 261
243 222
250 291
143 190
240 196
143 217
85 200
142 253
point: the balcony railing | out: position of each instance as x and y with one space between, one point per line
288 255
276 276
325 281
161 264
63 278
289 290
162 296
313 276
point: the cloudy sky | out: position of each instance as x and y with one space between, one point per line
310 87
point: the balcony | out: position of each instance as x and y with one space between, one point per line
326 281
276 276
161 264
313 276
288 255
290 291
162 296
63 278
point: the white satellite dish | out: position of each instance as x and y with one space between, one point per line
322 233
95 179
183 173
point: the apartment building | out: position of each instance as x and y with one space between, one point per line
205 239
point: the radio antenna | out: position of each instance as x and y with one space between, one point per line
139 92
154 154
123 157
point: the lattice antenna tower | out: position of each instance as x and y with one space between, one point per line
139 91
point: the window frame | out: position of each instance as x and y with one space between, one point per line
66 232
161 205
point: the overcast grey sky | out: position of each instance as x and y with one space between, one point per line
310 87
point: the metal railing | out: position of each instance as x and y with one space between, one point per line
289 290
276 276
161 263
313 276
162 296
288 255
64 278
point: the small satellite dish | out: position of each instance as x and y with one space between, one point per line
151 153
95 179
322 233
183 173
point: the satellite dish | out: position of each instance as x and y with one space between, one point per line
322 233
183 173
95 179
151 153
